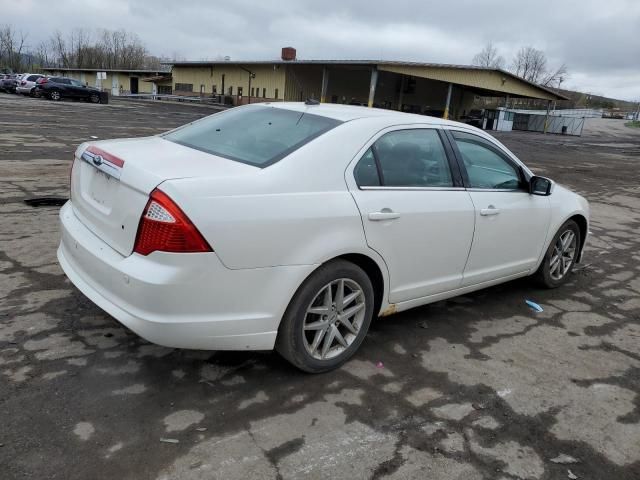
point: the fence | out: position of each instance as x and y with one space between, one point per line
569 112
555 124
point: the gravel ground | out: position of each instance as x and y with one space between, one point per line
478 387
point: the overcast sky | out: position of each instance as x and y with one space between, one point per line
599 40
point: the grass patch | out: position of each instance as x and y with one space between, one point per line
633 124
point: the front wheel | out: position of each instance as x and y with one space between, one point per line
94 98
328 318
560 256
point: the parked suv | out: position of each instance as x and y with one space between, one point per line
27 85
57 88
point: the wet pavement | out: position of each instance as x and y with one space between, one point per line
477 387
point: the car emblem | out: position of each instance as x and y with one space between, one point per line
97 160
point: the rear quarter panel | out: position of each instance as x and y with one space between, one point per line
295 212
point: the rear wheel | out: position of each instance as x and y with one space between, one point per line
94 98
327 318
560 256
55 95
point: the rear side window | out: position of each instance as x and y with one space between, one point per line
33 78
405 158
258 136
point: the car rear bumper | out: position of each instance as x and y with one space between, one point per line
179 300
24 89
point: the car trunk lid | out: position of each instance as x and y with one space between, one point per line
111 182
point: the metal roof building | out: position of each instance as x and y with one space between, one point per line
435 89
115 81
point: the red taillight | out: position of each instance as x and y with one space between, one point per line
42 80
164 227
23 82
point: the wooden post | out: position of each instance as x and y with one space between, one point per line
448 104
372 86
325 83
400 97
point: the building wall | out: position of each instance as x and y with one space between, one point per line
303 82
121 79
203 79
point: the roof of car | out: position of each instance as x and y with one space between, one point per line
347 113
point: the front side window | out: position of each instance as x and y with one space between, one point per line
257 135
405 158
486 167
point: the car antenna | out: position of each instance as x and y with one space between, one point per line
311 101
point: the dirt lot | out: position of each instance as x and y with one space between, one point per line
476 387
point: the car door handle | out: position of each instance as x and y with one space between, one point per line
490 210
384 214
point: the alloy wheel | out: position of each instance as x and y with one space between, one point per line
563 255
333 319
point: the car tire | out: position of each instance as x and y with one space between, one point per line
323 339
94 98
560 257
55 95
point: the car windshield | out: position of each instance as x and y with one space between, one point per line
259 135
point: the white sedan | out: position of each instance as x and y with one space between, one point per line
291 225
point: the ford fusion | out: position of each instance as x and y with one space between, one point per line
291 225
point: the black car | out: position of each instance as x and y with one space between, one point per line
57 88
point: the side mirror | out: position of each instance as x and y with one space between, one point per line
540 186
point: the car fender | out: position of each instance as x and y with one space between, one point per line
564 205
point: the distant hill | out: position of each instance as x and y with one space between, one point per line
590 100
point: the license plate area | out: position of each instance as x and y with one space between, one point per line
101 187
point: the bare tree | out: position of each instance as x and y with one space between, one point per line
12 45
555 77
488 57
531 64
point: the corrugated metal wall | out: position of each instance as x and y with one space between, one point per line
267 77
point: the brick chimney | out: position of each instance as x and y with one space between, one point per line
288 54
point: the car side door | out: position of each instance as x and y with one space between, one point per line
78 88
64 85
415 212
511 224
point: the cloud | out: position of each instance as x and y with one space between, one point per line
597 40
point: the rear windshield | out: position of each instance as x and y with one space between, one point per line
259 135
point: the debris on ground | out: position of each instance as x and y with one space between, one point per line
201 429
169 440
564 459
571 475
534 306
46 201
93 136
423 325
380 365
